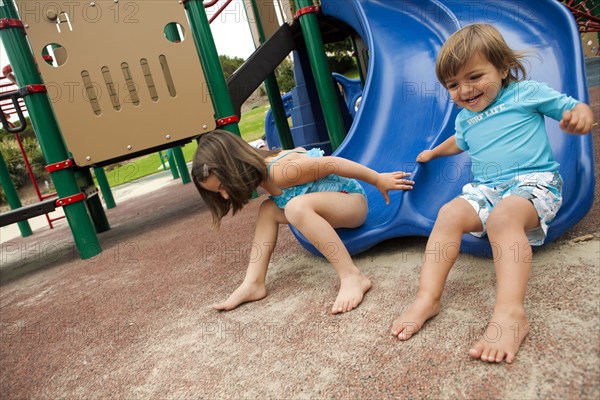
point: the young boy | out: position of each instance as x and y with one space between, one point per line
516 191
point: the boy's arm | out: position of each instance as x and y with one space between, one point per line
307 169
574 117
447 148
578 121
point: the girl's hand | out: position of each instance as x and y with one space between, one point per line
425 156
579 120
393 181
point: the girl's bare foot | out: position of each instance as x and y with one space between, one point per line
409 323
248 291
503 336
352 290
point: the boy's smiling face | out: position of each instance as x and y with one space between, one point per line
477 84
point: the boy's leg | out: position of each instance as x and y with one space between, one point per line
507 226
265 236
316 215
454 219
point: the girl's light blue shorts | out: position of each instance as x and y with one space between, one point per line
542 189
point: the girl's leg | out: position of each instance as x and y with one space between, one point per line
443 246
316 215
265 236
507 226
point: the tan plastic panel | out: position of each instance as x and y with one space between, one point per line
268 18
286 8
118 49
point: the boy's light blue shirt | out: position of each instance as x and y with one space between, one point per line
509 137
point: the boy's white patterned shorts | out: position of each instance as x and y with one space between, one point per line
542 189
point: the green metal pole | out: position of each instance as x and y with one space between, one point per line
277 108
48 133
209 58
162 160
181 165
105 189
94 205
12 196
172 164
173 35
322 73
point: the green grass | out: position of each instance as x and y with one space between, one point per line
252 123
352 73
132 170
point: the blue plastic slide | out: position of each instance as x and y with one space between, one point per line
405 110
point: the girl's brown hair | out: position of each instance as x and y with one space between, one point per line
239 167
483 39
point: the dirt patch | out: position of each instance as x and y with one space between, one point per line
256 100
136 321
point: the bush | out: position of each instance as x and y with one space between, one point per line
27 133
14 160
36 158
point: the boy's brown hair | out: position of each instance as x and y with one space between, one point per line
483 39
239 167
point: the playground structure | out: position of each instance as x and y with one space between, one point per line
403 109
52 33
308 128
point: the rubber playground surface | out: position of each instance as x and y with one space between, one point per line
136 321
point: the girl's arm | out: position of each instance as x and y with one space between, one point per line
303 169
447 148
579 120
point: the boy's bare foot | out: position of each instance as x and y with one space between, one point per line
409 323
243 294
352 290
503 336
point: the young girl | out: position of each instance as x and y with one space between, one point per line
516 190
314 193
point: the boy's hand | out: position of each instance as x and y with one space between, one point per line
425 156
579 120
393 181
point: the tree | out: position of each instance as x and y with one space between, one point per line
229 65
285 76
340 55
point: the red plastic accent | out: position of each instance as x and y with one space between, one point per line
36 88
6 70
227 120
11 23
59 165
306 10
65 201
